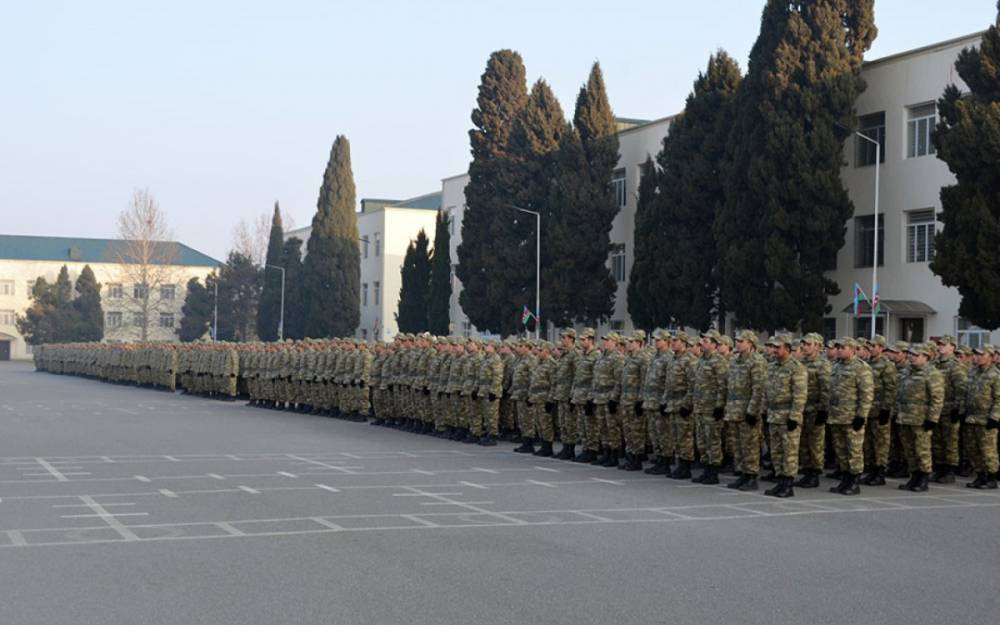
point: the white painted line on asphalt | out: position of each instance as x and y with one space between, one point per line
167 493
482 470
171 458
83 505
474 485
215 476
287 474
596 517
52 470
537 483
352 456
615 482
232 531
249 490
417 519
958 501
422 472
326 523
107 459
16 538
106 516
76 473
464 503
750 510
142 478
425 494
328 488
232 457
676 515
549 469
320 464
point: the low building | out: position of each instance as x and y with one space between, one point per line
24 259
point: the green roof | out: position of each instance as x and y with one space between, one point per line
431 201
73 249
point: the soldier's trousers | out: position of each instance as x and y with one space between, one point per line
567 424
916 447
634 426
709 439
945 441
588 427
660 432
491 415
813 443
525 420
748 446
730 440
455 401
470 415
611 426
878 439
784 449
542 422
507 420
683 436
849 447
984 449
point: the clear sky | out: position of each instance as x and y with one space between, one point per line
221 107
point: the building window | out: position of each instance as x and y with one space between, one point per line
114 291
449 214
6 317
138 320
167 292
166 320
829 328
920 236
919 126
617 325
140 291
863 326
6 287
971 335
618 262
873 127
378 245
113 319
364 294
378 293
864 240
618 185
30 287
364 247
466 329
911 329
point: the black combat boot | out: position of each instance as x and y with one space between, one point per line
709 476
835 475
585 455
545 451
660 467
978 482
920 485
728 465
602 457
633 463
739 482
612 459
809 479
844 479
488 440
944 475
568 452
964 469
785 488
750 484
876 477
991 481
897 470
682 471
851 486
527 446
470 439
779 482
770 477
909 484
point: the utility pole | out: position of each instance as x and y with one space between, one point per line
281 315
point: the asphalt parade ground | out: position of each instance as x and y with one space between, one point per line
125 505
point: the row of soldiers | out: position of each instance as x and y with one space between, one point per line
914 410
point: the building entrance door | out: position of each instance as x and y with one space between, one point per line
4 350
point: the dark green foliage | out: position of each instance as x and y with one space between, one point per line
785 212
413 294
486 294
239 293
332 272
645 302
269 310
295 297
196 313
63 288
678 255
39 325
439 292
967 255
88 314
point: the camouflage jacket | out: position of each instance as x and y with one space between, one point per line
745 386
607 377
654 379
920 396
583 377
885 379
490 378
633 374
956 377
709 384
851 391
786 391
541 384
983 395
565 367
678 382
819 370
522 376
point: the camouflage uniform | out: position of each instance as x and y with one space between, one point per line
878 435
520 381
918 408
945 441
582 398
607 390
565 368
657 420
490 388
709 403
676 403
983 405
540 397
786 392
851 396
633 375
744 405
815 416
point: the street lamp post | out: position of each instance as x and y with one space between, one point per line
281 314
878 158
215 313
538 265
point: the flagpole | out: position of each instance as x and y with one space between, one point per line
878 154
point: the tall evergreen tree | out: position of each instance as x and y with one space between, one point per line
89 315
295 299
414 293
65 320
239 293
439 292
644 301
968 140
485 297
684 280
38 325
332 272
269 309
786 208
196 313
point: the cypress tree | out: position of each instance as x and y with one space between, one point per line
89 315
291 260
967 138
644 301
785 212
65 320
413 294
685 282
38 325
502 95
439 292
196 319
239 293
332 272
269 309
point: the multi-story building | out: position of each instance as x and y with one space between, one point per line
898 110
385 230
24 259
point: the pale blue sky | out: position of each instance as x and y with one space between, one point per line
222 107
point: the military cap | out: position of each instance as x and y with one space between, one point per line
612 336
813 337
780 339
846 341
899 347
985 348
748 335
711 334
661 335
686 338
725 340
919 348
796 343
638 335
879 340
947 339
965 350
587 333
570 332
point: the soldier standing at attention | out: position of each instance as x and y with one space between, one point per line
519 386
851 396
540 402
786 391
587 425
946 435
709 403
676 402
744 404
563 389
607 378
490 388
631 410
657 423
983 404
918 408
815 416
878 435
